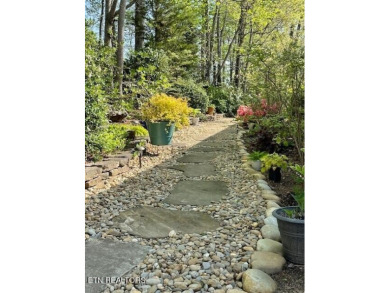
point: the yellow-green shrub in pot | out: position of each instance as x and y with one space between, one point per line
162 114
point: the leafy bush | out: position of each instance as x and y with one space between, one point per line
122 129
271 134
273 160
98 78
139 130
161 107
146 73
226 99
197 95
111 139
195 112
105 142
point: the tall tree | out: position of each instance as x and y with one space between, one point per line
109 21
210 48
206 39
101 21
240 41
139 23
119 51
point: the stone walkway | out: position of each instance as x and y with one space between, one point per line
192 222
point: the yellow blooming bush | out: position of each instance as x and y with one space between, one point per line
162 107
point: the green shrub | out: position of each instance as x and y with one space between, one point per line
273 160
98 78
146 73
139 130
188 88
98 87
226 99
111 139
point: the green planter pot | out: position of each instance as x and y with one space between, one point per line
160 133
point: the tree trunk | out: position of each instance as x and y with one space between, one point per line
101 22
109 22
218 77
207 40
119 51
240 41
140 12
227 56
244 81
217 63
157 22
212 33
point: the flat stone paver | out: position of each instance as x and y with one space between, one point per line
107 258
197 192
150 222
206 149
214 143
196 170
196 158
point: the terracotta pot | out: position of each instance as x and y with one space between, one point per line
210 110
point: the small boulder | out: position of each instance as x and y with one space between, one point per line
270 196
272 204
268 212
268 262
270 232
271 220
256 281
270 245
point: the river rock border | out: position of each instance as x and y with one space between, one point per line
268 257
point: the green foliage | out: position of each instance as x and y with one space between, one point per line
256 156
178 25
273 160
138 129
299 196
122 129
105 142
226 99
202 117
276 124
112 138
98 77
98 81
299 189
146 73
195 112
299 171
197 95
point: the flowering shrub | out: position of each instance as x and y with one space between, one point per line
262 109
256 111
162 107
244 112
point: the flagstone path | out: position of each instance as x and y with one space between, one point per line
190 224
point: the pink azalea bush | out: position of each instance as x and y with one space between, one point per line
244 112
256 111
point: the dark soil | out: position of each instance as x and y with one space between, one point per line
292 278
